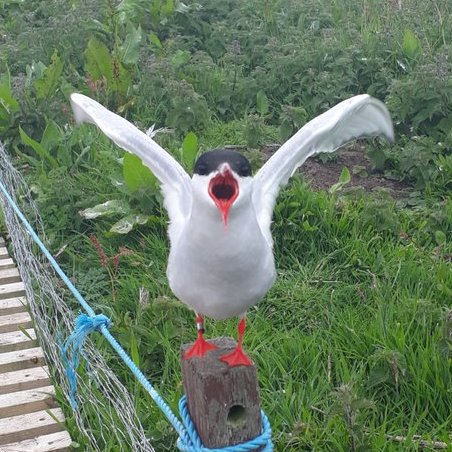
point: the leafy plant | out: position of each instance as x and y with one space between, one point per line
344 179
9 106
411 45
387 366
253 130
110 264
292 119
352 410
189 150
445 343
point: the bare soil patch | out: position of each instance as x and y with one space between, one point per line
321 176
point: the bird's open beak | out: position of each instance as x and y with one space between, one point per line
224 189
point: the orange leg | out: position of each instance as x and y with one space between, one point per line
201 346
238 356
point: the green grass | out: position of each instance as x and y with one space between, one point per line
353 305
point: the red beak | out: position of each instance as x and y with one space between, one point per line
224 189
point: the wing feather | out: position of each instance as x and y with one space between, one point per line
176 184
357 117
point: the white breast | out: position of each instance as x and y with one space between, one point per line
221 271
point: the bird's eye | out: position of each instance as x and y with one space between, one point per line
202 170
245 171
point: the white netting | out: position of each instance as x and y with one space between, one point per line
106 414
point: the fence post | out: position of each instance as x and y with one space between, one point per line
223 401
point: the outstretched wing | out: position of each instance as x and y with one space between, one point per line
175 182
359 116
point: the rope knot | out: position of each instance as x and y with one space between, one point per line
71 349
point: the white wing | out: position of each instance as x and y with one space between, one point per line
176 184
359 116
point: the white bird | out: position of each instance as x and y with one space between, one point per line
221 248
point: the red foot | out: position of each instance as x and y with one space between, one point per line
236 358
199 348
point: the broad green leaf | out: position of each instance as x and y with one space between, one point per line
308 227
136 175
377 157
37 147
440 237
167 8
48 83
411 46
261 103
126 224
344 179
112 207
189 150
285 130
299 115
378 375
52 135
155 41
98 62
8 102
129 51
134 349
180 58
121 80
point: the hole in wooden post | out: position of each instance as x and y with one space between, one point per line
237 416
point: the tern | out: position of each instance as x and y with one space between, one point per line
221 248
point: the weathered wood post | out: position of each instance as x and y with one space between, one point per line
223 401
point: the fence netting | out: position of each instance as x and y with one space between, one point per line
106 415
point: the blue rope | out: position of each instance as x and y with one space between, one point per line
83 326
188 438
194 443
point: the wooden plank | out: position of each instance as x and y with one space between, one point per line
29 401
9 275
18 340
57 442
13 305
11 290
23 359
26 426
13 322
3 253
7 263
21 380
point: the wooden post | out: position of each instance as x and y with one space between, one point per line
223 401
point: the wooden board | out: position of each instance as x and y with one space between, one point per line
23 359
26 426
14 322
30 421
13 305
23 402
18 340
57 442
3 253
19 380
6 263
15 289
9 275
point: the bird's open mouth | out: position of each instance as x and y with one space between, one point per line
224 189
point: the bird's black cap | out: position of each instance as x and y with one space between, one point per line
211 160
